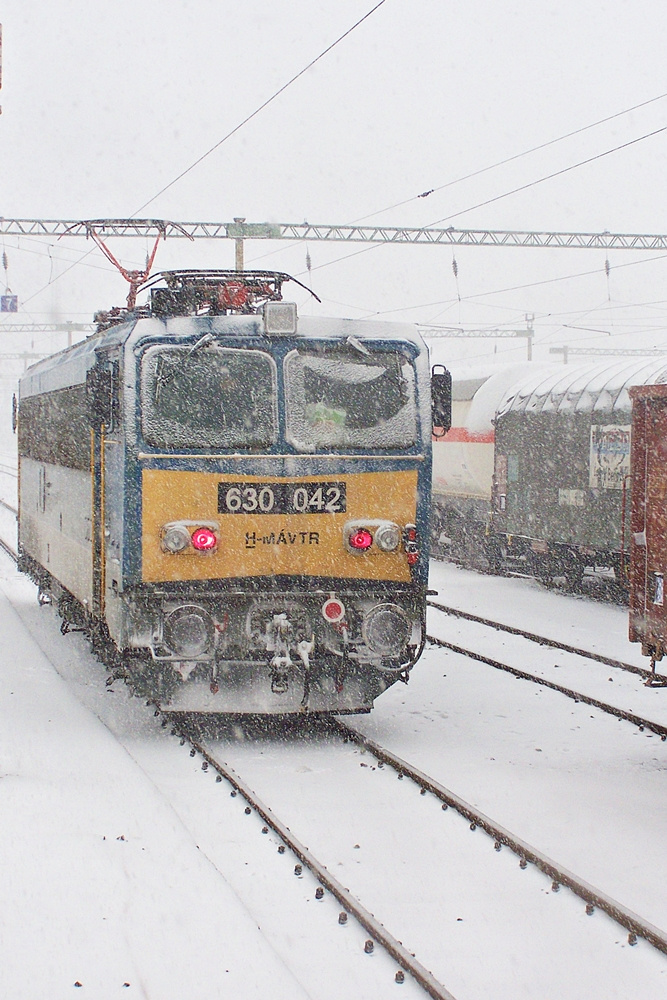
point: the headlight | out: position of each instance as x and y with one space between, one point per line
386 630
189 631
175 537
388 536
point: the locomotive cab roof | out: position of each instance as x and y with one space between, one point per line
227 304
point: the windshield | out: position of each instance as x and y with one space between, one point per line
208 398
339 398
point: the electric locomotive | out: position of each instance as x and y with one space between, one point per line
234 500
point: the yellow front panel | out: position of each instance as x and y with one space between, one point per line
273 544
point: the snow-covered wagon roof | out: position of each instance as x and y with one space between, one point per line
598 388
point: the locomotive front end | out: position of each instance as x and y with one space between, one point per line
281 494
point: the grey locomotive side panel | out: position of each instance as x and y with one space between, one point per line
56 524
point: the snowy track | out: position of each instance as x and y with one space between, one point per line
588 792
543 640
391 945
578 674
417 868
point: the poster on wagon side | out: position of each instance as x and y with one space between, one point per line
610 456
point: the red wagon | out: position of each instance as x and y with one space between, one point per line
648 523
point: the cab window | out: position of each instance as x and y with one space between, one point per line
341 398
208 398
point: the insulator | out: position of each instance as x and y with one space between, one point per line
309 263
369 947
455 267
4 259
607 267
319 892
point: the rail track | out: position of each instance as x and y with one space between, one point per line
559 876
5 545
656 680
636 927
189 733
542 640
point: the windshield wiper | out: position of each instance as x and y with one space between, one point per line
164 378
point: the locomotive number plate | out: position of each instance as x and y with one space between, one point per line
281 498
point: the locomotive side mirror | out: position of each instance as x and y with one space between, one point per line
100 386
441 400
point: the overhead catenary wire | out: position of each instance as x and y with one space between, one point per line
549 177
512 159
257 110
499 197
224 139
493 166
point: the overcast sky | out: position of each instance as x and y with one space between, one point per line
103 105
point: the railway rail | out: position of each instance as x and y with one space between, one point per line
636 927
594 898
5 545
542 640
560 875
351 904
626 715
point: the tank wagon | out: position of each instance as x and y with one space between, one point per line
232 500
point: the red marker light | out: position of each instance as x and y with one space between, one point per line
203 539
333 610
361 539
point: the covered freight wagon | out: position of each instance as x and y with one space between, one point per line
562 464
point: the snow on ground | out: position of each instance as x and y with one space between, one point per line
582 786
195 888
193 900
442 889
102 884
594 625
